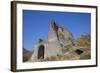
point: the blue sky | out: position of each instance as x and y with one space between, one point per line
36 24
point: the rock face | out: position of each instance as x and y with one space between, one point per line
58 41
26 55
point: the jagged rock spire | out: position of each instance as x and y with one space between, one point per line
54 25
52 21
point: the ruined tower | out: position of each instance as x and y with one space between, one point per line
58 38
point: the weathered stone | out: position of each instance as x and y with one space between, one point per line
58 38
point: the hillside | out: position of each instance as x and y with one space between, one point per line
26 55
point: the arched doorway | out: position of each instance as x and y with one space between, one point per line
41 52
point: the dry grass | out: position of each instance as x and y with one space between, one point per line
70 55
86 55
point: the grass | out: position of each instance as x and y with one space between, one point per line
85 55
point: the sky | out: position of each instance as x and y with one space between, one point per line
36 24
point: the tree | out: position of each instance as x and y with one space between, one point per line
84 40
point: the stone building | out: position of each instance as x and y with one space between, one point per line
58 38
